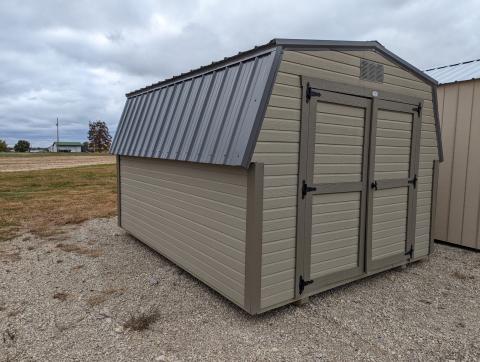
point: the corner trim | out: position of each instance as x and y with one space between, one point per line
438 129
119 184
254 233
262 109
433 205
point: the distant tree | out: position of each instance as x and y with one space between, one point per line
22 146
3 146
85 147
98 136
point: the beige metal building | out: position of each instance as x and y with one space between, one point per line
283 171
458 208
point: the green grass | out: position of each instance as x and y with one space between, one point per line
41 201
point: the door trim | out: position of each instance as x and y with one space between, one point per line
372 265
306 170
307 134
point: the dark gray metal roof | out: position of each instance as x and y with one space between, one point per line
207 117
456 72
213 114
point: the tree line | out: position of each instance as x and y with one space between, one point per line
99 140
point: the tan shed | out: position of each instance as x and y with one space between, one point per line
283 171
458 207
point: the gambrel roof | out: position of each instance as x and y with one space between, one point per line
213 114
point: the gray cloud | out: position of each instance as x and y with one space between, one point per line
77 59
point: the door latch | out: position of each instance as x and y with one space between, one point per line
418 109
413 181
306 189
374 185
302 284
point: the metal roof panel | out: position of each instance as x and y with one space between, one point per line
456 72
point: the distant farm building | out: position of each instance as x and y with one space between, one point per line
66 147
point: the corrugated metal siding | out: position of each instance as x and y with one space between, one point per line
458 199
193 214
209 118
456 72
278 147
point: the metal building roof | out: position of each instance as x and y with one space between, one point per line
207 117
213 114
456 72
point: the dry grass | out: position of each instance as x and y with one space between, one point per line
40 201
61 296
142 321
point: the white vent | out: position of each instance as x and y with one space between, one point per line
371 71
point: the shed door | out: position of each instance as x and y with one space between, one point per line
392 178
333 189
357 187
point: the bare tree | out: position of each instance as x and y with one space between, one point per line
98 136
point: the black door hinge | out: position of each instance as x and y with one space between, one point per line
303 283
410 252
418 109
311 93
306 189
374 185
413 181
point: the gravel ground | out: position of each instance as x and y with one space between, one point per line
25 163
69 299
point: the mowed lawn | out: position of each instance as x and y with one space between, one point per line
40 201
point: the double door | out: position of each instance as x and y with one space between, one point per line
357 183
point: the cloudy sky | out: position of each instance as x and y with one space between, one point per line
76 59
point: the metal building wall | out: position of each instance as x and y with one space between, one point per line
457 215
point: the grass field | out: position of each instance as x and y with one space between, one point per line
11 162
39 201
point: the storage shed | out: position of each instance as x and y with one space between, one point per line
458 208
283 171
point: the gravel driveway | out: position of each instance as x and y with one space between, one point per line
73 298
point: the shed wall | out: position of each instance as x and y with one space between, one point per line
193 214
278 146
458 201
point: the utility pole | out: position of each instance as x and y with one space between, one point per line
57 135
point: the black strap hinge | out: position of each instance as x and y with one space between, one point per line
413 181
311 93
306 189
410 252
303 283
418 109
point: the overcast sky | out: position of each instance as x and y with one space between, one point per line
76 59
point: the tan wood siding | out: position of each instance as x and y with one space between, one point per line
393 141
338 143
193 214
279 144
389 222
458 200
335 233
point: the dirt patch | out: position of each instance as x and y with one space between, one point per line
61 296
80 250
26 163
421 313
103 296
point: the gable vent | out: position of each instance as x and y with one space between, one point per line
371 71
